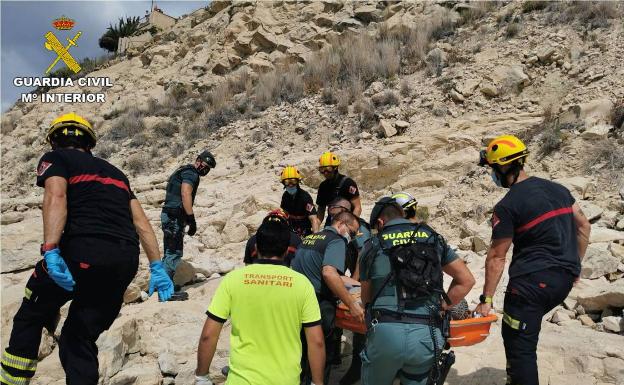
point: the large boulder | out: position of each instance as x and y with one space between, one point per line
592 113
508 78
578 184
602 234
20 245
613 324
185 273
591 211
367 13
601 295
598 261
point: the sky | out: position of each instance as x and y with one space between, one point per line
24 23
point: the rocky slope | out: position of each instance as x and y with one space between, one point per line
550 73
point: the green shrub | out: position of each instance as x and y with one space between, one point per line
137 163
512 30
165 129
128 125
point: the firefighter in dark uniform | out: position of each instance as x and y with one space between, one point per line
335 185
321 258
550 234
299 205
251 251
90 255
177 211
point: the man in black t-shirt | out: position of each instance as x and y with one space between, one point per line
298 204
335 185
550 234
251 252
90 255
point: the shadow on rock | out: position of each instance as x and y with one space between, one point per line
482 376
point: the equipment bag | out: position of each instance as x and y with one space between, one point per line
417 269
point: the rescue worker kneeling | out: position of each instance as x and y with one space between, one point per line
403 312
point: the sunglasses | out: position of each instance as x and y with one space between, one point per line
291 181
326 169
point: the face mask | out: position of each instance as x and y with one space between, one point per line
292 190
496 179
347 236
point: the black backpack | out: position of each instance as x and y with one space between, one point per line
416 269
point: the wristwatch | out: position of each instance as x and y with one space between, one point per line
484 299
47 247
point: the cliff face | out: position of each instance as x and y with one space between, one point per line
406 94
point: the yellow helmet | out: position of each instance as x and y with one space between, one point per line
290 172
329 159
72 124
503 150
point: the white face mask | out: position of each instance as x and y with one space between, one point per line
347 234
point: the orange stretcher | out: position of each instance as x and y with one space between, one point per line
470 331
464 332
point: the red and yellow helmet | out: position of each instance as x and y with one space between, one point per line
290 172
277 215
503 150
72 124
329 159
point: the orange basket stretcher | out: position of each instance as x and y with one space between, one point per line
470 331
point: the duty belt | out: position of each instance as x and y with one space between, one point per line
172 210
297 217
387 316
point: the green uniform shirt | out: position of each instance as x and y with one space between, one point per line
268 304
315 252
185 174
397 230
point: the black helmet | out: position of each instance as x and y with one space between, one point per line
379 206
207 157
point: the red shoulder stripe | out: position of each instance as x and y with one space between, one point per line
99 179
543 217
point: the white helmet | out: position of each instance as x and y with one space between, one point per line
405 200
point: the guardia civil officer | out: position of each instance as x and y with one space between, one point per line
321 258
354 249
404 320
550 234
177 210
335 185
90 255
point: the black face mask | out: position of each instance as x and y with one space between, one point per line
514 170
203 170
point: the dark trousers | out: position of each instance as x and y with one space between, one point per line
102 270
328 317
172 222
528 298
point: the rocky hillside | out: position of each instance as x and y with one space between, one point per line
406 93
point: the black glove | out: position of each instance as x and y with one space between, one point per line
190 221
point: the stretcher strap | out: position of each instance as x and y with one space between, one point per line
20 363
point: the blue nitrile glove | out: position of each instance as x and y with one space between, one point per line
57 269
160 281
